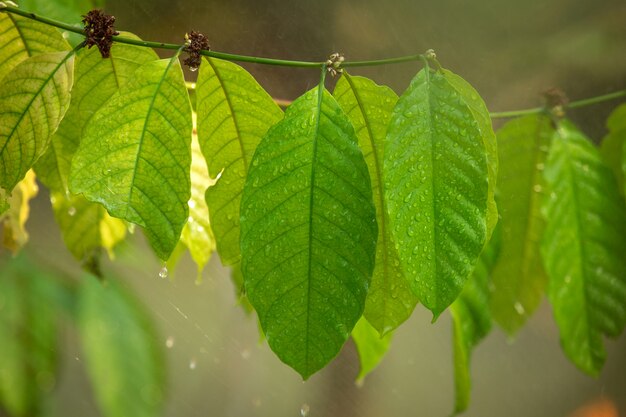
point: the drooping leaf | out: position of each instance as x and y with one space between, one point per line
86 227
612 149
197 235
437 187
97 80
14 220
33 99
371 346
518 278
472 319
23 38
139 169
390 301
121 351
28 337
308 232
234 113
583 248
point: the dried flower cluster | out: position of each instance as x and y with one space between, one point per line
195 42
99 31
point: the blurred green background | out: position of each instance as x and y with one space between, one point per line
510 51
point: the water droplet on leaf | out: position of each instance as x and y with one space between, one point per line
304 410
163 272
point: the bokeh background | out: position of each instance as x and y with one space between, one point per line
510 51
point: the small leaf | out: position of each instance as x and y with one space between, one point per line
518 278
612 149
23 38
28 337
583 248
371 346
472 320
121 351
197 235
308 232
33 99
139 168
234 113
14 220
86 227
437 187
390 301
97 80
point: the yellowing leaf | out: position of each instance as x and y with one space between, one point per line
14 220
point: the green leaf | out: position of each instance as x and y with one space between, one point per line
33 99
14 220
121 351
390 301
197 235
97 80
28 337
518 278
23 38
308 232
234 113
139 168
437 187
612 149
86 227
370 345
472 320
583 248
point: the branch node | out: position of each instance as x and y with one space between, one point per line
99 31
195 42
333 64
555 101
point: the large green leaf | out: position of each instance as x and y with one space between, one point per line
390 301
308 232
135 154
33 99
234 113
518 277
612 149
437 187
121 351
23 38
97 80
371 346
28 337
583 248
472 320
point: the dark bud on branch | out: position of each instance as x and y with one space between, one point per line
555 101
195 42
99 31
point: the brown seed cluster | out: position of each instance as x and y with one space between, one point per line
195 42
99 31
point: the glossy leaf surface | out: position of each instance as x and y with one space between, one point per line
437 187
234 113
518 278
308 232
139 170
583 248
390 301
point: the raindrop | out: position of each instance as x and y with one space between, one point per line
71 211
568 279
304 410
519 308
192 364
163 272
191 204
169 343
537 188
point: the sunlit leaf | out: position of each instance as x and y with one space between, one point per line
23 38
370 345
97 80
583 248
135 154
28 337
234 113
472 320
437 187
308 232
14 220
518 278
390 301
121 351
612 149
33 99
